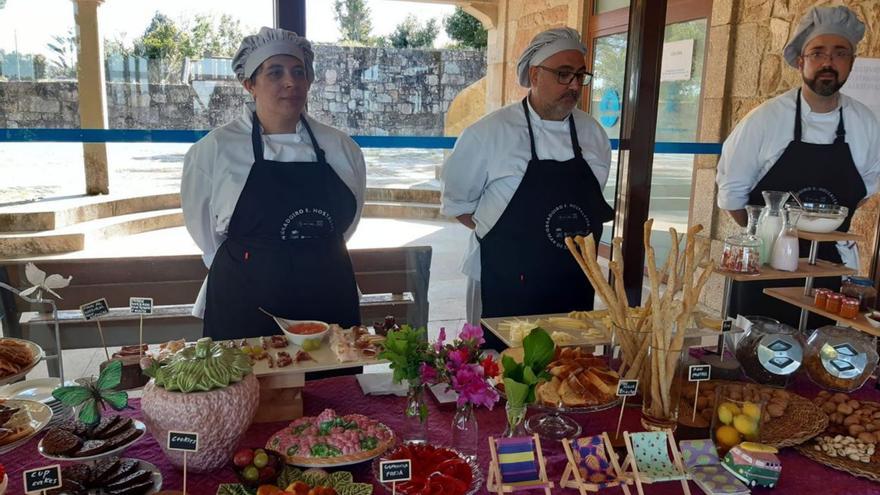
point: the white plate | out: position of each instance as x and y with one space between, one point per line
41 415
38 389
137 425
36 350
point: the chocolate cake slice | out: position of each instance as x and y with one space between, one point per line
74 426
81 473
134 489
92 447
104 469
125 468
107 423
131 480
120 426
60 442
124 437
68 487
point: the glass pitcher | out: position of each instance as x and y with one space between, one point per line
742 252
785 248
770 222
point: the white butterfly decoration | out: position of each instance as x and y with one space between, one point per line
41 282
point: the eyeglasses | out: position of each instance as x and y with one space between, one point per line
566 76
822 57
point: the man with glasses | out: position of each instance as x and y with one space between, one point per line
522 179
812 140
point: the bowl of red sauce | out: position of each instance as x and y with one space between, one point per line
300 331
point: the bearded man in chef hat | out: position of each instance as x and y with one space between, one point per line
525 177
812 140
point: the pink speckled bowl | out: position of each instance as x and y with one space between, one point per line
220 417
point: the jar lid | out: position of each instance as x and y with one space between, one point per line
780 354
850 300
835 295
867 282
843 360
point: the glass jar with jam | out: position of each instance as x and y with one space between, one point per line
849 308
861 289
820 297
833 302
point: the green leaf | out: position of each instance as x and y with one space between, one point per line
235 489
116 400
529 377
539 349
512 368
110 376
72 396
90 413
517 393
288 475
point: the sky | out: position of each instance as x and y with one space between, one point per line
30 24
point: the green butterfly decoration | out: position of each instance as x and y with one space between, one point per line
95 395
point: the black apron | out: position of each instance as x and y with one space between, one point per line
284 250
818 173
525 267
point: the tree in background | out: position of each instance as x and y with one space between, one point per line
412 34
63 63
466 30
353 17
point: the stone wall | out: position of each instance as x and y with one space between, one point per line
744 68
374 91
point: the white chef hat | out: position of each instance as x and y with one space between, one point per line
544 46
824 20
255 49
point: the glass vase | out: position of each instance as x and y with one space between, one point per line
662 388
415 428
770 222
465 431
516 416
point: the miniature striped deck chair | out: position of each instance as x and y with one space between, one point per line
648 459
705 469
517 464
592 465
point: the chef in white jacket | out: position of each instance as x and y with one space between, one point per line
271 199
522 179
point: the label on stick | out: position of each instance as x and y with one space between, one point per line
627 388
141 305
42 479
396 470
95 309
699 372
183 440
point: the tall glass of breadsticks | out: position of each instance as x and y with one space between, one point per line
651 338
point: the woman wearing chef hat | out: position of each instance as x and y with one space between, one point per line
271 198
812 140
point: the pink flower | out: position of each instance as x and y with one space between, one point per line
472 332
472 388
428 373
440 340
457 358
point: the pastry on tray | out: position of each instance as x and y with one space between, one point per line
331 439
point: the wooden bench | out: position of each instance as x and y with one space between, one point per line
394 281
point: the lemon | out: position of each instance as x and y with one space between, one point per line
733 408
311 344
727 436
725 415
745 425
752 410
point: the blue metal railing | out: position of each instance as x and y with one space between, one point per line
191 136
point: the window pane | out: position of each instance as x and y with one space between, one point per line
609 5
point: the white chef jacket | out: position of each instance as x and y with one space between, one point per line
761 137
490 158
216 167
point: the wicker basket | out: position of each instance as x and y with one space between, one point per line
855 468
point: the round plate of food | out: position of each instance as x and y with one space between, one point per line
20 420
17 358
434 470
74 441
331 440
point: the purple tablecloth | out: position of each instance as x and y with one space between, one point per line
800 475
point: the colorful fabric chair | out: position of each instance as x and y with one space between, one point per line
704 468
517 464
592 465
648 458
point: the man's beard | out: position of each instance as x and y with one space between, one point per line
825 87
564 104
